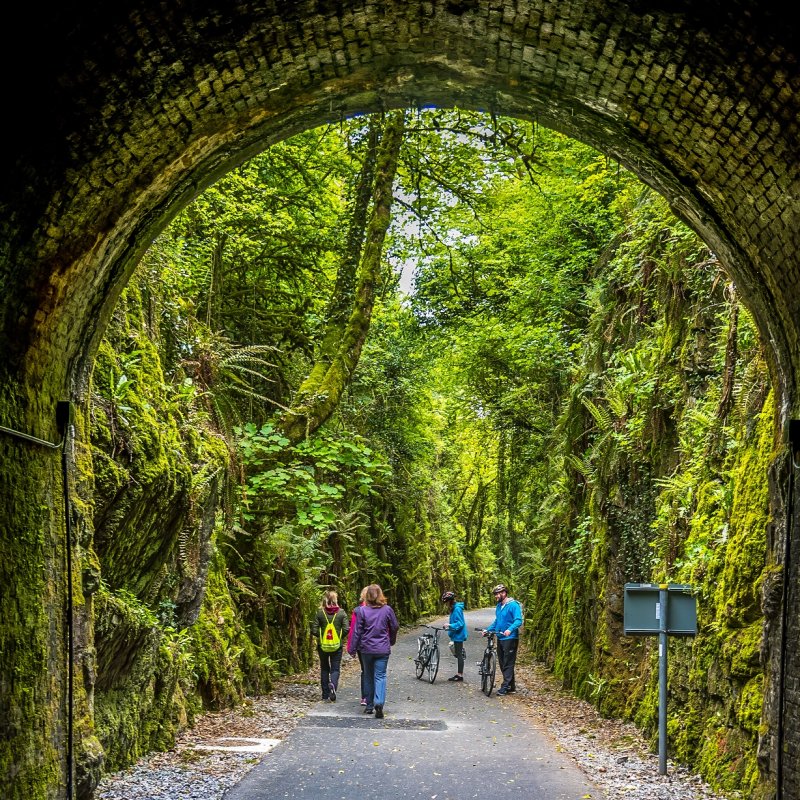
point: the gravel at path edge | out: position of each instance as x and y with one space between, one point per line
612 753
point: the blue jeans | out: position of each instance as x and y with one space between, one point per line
375 678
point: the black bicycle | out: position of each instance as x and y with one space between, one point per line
428 653
487 666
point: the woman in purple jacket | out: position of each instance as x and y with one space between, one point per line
375 632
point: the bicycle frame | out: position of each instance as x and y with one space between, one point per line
428 653
487 666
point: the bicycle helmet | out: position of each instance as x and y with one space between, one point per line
501 587
448 596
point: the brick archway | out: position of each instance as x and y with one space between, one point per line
137 106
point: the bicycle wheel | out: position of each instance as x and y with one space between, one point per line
433 664
488 669
422 661
492 669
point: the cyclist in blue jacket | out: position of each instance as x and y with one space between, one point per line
506 625
457 631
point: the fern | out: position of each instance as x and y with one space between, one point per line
601 416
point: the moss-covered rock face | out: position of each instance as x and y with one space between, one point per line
156 495
142 472
669 484
136 680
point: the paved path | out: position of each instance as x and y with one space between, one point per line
441 741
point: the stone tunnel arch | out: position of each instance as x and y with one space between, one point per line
142 105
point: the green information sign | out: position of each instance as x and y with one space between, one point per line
643 611
666 609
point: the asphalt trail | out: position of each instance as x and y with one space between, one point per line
440 741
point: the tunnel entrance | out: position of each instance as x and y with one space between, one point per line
149 106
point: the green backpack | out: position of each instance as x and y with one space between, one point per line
329 639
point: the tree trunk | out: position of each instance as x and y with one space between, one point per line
341 302
320 393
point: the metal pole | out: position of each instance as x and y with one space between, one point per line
662 680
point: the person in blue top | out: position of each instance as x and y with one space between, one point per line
457 631
506 625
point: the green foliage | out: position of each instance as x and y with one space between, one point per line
558 385
241 277
315 475
660 479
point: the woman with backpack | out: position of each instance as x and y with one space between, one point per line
329 628
375 632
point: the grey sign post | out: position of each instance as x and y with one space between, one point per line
660 609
